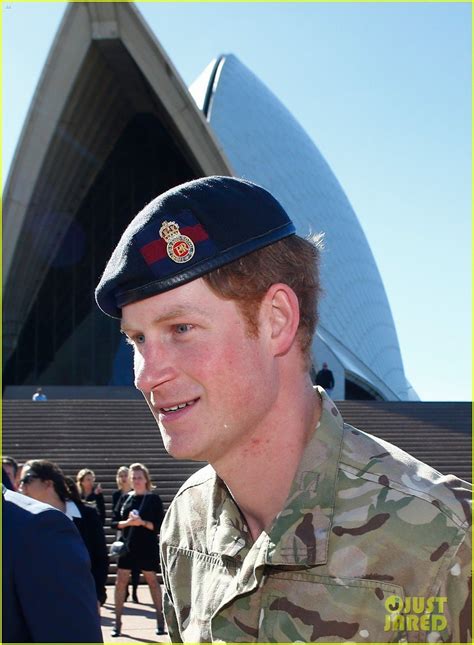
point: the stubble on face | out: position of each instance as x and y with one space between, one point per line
217 366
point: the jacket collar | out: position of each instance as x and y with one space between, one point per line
300 533
71 510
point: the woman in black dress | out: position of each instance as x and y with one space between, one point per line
139 517
45 481
118 496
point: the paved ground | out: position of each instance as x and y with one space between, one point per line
138 621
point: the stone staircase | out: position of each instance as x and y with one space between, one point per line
105 434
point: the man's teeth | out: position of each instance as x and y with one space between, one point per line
180 406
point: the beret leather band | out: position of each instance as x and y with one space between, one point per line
186 232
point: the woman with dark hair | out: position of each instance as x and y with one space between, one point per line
139 517
44 481
90 492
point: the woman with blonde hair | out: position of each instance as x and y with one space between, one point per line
90 492
123 485
118 497
139 518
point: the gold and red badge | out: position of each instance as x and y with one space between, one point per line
180 248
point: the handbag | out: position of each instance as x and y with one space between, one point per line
119 548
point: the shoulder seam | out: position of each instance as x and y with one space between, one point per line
401 488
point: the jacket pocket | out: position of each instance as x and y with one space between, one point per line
309 608
199 584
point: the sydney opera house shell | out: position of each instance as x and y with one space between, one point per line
110 126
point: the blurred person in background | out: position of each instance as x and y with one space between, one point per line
47 587
325 378
45 481
16 483
10 466
123 488
91 492
123 485
39 395
6 481
139 518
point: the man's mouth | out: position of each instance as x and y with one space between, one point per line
178 406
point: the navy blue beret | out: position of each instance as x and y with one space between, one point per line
187 232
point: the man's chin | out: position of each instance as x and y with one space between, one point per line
182 453
178 448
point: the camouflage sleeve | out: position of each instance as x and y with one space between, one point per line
456 588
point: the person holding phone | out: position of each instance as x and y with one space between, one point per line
90 491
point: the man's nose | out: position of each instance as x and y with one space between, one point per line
152 368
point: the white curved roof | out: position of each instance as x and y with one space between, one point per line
266 144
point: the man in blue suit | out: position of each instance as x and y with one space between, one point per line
48 590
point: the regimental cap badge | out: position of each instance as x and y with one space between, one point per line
180 248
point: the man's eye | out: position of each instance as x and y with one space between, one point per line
182 328
134 339
139 339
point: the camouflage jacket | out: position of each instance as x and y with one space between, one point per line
371 546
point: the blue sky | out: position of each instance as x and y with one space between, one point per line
384 90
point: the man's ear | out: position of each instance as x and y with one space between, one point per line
283 316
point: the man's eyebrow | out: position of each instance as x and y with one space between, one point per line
172 314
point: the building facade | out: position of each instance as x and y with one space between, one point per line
112 125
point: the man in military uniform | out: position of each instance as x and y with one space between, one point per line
302 528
